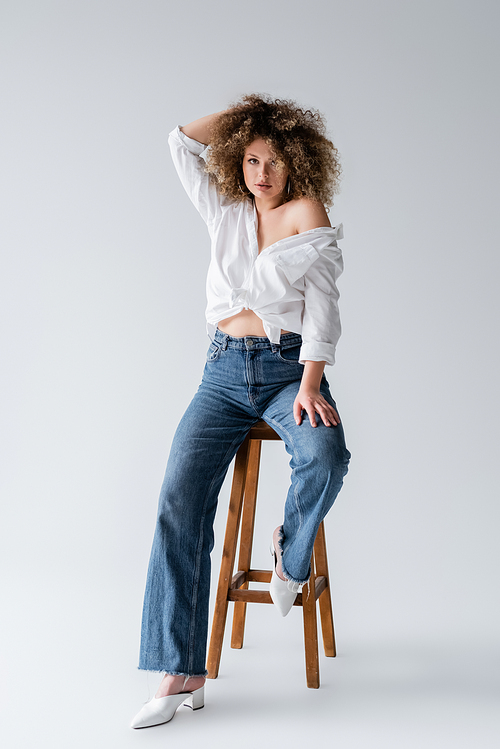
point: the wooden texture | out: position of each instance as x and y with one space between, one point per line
227 563
246 537
325 601
311 631
234 586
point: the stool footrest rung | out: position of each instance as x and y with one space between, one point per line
235 593
252 576
249 596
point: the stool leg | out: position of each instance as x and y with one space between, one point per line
325 600
227 563
246 538
311 630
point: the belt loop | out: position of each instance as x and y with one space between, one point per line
224 342
275 347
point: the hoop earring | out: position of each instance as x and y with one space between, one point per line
288 186
240 187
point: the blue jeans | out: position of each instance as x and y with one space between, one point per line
245 380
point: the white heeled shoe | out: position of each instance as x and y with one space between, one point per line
162 709
283 592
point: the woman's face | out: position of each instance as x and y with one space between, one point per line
262 177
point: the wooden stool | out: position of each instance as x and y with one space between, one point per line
234 587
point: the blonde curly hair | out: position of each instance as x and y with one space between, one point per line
296 137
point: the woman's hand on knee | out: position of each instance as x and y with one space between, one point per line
312 402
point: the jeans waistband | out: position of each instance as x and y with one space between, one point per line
252 342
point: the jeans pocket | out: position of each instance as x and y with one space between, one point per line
213 352
290 355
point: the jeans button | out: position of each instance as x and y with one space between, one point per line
249 343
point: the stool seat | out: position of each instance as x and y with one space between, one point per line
233 586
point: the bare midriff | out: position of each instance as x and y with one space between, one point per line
244 323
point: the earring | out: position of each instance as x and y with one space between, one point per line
241 189
288 186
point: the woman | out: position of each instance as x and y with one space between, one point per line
261 186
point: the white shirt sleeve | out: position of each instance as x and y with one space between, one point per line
321 327
189 160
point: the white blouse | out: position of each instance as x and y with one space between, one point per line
290 285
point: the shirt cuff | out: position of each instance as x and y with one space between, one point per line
317 351
191 144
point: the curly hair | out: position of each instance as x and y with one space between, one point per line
295 136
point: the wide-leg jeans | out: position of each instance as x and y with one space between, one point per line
245 380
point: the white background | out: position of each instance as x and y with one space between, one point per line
103 345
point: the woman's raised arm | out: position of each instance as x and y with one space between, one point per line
200 129
187 146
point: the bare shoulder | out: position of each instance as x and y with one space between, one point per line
307 214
